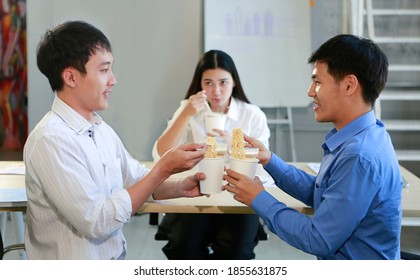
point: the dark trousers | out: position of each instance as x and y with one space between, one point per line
229 236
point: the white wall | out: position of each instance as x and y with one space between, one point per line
156 45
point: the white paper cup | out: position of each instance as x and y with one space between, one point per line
214 121
221 149
214 169
247 166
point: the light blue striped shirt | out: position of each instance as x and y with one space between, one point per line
356 196
75 178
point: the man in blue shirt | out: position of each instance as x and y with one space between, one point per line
356 195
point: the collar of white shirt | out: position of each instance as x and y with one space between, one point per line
73 119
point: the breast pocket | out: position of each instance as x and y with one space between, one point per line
114 175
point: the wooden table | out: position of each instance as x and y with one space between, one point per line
13 198
223 202
218 203
12 187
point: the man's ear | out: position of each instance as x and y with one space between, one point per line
69 77
351 84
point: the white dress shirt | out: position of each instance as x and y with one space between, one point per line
76 173
250 118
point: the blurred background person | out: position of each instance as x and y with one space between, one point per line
212 236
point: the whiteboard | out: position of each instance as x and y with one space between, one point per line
270 42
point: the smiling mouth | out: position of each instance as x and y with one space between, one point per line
315 105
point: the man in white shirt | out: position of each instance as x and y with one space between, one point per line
82 184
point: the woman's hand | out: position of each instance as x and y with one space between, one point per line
219 133
196 103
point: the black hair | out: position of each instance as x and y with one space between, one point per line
216 59
348 54
69 44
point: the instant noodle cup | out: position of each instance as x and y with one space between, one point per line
214 169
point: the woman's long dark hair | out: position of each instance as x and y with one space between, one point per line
216 59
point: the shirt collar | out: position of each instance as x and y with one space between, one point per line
73 119
335 138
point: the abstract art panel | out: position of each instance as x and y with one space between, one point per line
13 75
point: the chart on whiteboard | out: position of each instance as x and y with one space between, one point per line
270 43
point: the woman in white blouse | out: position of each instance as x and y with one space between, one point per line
212 236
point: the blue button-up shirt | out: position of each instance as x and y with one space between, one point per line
356 196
